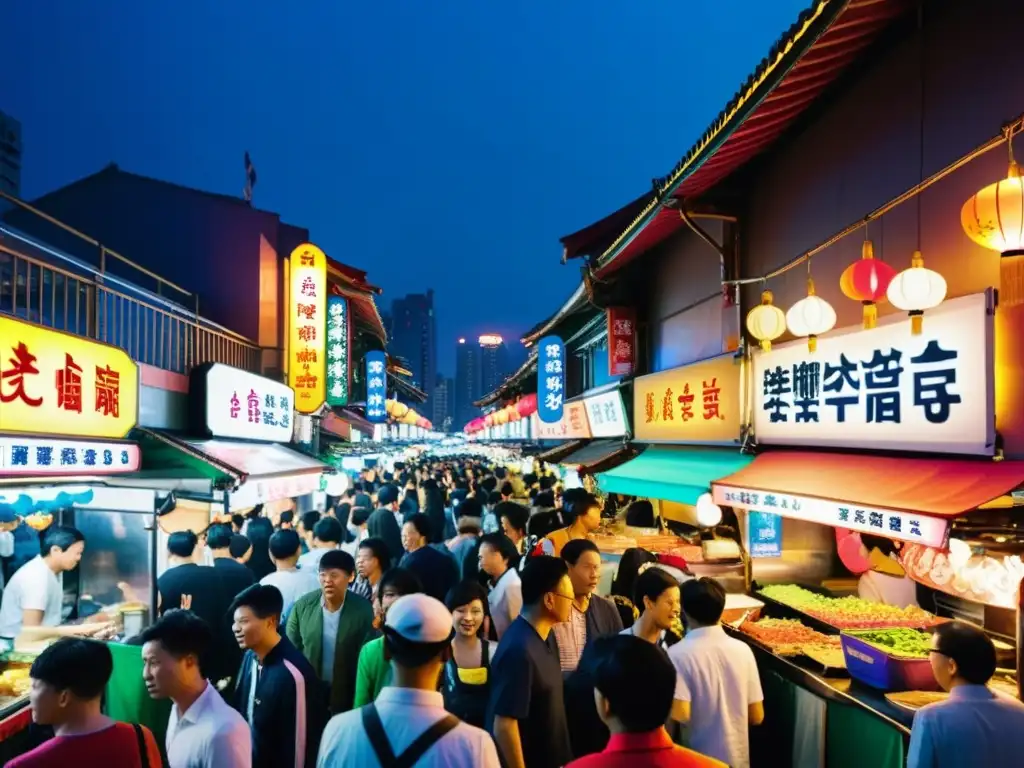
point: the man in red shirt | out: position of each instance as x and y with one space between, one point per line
636 714
68 680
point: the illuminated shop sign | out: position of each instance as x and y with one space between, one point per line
606 414
621 341
550 379
307 321
376 387
56 456
338 371
230 402
55 383
697 403
885 389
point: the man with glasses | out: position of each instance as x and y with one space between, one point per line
974 726
526 711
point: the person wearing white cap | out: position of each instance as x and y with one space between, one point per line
407 724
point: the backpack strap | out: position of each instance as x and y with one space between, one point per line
382 747
140 738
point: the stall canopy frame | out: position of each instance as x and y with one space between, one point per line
672 473
599 455
559 452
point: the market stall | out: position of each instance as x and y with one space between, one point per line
917 493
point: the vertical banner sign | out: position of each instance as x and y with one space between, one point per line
621 341
764 534
307 319
550 379
376 387
338 371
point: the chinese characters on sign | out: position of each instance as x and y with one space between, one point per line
242 405
550 379
337 351
606 414
307 320
621 345
902 526
574 424
376 387
884 388
697 403
764 534
42 456
55 383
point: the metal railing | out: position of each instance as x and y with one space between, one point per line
60 291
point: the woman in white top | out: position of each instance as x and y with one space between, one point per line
885 582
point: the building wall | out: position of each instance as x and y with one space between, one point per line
10 157
862 151
686 316
204 243
413 336
467 376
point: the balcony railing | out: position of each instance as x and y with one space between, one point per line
57 290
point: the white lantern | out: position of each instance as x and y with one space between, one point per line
766 321
709 514
811 317
916 290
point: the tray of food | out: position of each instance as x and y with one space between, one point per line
787 637
893 659
847 612
912 701
829 657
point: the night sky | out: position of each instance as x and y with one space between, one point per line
434 143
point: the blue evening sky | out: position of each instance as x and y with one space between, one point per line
434 143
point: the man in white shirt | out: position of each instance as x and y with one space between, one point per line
417 640
203 730
497 557
327 535
718 684
31 606
292 580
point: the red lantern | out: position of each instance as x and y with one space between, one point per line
527 405
866 281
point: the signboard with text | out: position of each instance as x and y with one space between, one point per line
572 426
376 386
338 345
550 379
38 456
621 341
764 534
697 403
56 383
891 523
606 413
307 321
885 389
229 402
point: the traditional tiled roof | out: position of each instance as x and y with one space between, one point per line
817 49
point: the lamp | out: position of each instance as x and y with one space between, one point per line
709 514
811 316
766 321
915 290
994 219
866 281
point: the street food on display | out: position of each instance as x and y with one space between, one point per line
788 637
976 577
899 641
848 612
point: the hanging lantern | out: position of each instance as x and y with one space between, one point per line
811 317
866 281
994 218
766 321
916 290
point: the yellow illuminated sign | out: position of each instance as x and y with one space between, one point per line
697 403
307 324
54 383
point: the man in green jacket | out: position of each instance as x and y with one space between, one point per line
329 627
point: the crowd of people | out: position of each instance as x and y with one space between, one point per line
443 615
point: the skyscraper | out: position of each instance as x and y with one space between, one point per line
10 155
467 383
414 339
444 393
493 362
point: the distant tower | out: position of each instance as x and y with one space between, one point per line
413 337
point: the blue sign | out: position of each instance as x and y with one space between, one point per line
550 379
376 387
764 534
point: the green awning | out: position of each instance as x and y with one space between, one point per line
672 473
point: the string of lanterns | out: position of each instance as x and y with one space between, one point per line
993 217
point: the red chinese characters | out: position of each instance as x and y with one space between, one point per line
305 311
236 405
254 407
712 408
21 365
686 403
108 391
621 346
69 385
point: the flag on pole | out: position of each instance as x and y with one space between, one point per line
250 178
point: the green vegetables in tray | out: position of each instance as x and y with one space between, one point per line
899 642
